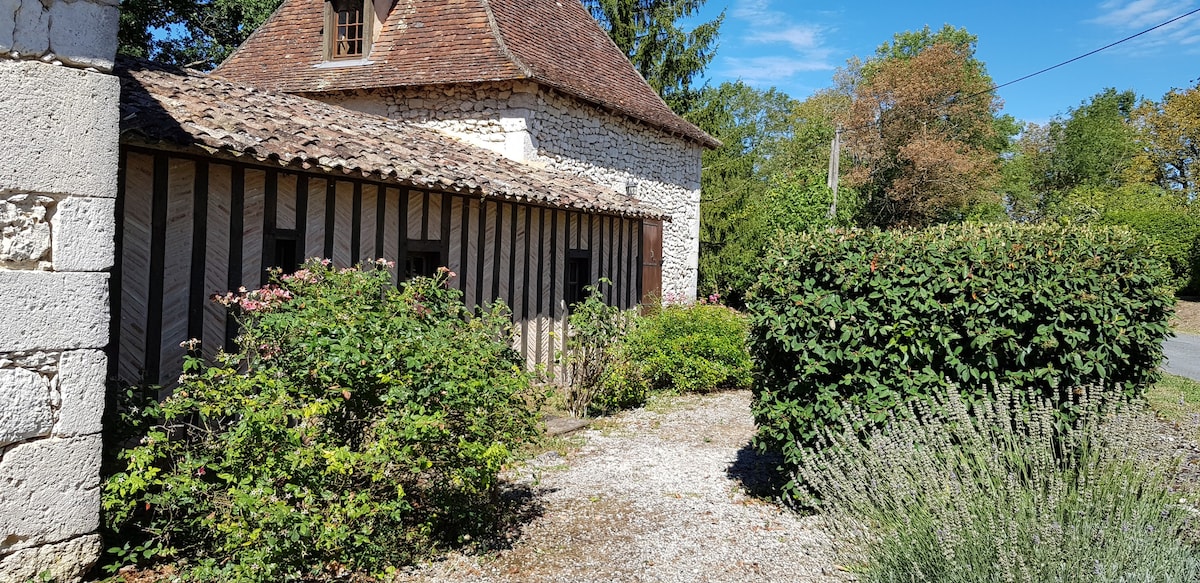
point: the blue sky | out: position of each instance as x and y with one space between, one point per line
796 45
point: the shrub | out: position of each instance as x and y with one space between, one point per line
1177 234
1001 494
691 348
876 318
596 362
357 427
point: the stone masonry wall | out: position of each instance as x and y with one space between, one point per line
58 183
535 125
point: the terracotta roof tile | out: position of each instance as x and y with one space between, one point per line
439 42
189 110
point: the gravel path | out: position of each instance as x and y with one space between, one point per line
652 495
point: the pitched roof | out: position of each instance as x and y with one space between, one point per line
189 110
437 42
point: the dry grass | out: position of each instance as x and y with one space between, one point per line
1187 315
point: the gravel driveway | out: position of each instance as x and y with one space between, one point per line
652 495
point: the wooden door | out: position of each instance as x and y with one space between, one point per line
651 277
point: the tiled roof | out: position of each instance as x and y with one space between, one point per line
438 42
190 110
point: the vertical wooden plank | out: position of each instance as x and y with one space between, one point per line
343 229
543 283
314 219
479 239
330 218
270 223
380 225
135 264
177 269
619 276
216 269
453 239
252 230
511 259
356 225
559 295
402 233
555 237
651 262
368 223
446 211
598 249
418 224
464 275
197 294
158 249
432 209
637 263
390 234
285 216
526 294
301 220
114 321
237 215
496 238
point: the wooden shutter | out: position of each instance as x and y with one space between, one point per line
651 284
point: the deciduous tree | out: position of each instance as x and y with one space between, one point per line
185 32
1171 134
923 131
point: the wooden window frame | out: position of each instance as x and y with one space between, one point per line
331 29
423 250
575 291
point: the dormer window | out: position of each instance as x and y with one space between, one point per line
347 29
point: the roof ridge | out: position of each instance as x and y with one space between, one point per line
495 28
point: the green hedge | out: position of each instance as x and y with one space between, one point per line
1177 234
880 318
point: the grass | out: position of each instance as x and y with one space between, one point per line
1175 398
1187 315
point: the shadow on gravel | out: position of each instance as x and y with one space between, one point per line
759 473
518 506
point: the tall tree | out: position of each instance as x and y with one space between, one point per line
1171 136
197 34
924 133
667 56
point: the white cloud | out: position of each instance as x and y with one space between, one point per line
1130 16
801 46
769 70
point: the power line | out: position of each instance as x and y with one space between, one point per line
1052 67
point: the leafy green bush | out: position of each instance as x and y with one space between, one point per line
1002 493
691 348
878 318
599 375
1177 233
358 427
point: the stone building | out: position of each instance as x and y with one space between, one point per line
535 80
58 187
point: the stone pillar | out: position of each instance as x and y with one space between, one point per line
58 186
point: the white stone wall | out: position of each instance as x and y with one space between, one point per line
535 125
58 169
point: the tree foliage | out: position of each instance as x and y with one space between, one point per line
1171 134
649 33
923 131
186 32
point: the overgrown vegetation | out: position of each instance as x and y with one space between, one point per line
358 427
1001 491
618 359
875 319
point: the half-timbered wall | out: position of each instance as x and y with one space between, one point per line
192 227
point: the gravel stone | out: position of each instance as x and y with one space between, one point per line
653 495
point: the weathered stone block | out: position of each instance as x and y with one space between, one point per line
49 491
48 311
81 391
60 128
24 230
84 34
64 562
32 33
24 405
8 22
83 234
